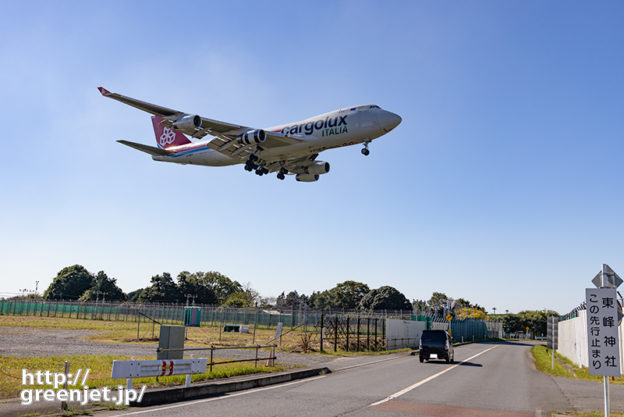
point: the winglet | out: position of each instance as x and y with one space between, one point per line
104 91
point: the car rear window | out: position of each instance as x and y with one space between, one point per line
433 337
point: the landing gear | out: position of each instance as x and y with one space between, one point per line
365 150
282 173
261 171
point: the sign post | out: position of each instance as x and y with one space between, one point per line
552 336
602 328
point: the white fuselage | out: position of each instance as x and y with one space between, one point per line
344 127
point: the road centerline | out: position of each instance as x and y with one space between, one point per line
429 378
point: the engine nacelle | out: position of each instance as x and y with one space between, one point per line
306 177
187 122
253 136
318 168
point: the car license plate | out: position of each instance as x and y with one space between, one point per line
433 356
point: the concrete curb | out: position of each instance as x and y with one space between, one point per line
170 395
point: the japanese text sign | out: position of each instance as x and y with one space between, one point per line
602 331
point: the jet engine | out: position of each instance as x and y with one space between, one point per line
318 168
187 122
253 136
306 177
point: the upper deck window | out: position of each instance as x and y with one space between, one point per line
374 107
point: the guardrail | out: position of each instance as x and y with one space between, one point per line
213 348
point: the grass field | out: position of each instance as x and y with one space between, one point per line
590 414
564 367
100 369
126 332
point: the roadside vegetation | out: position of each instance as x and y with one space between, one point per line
588 414
100 369
564 367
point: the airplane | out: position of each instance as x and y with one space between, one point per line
286 149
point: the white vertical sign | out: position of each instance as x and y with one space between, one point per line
602 331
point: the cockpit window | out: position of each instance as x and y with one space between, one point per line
374 107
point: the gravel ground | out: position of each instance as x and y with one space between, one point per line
30 341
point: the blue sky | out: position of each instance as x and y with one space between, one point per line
502 185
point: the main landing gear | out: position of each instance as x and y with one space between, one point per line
365 150
282 173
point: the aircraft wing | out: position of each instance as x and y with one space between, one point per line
208 126
228 136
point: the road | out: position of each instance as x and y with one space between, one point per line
489 380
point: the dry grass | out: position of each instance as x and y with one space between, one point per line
100 368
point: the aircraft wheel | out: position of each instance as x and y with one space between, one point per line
365 151
248 168
280 176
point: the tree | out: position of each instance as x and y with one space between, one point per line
239 299
134 295
104 288
438 302
197 285
70 282
346 295
291 300
162 290
385 298
221 285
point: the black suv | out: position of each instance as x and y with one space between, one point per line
436 344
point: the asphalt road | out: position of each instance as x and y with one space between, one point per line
489 380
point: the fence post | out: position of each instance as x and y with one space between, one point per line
255 324
322 319
64 403
211 356
336 333
383 334
357 327
376 347
367 333
256 361
348 329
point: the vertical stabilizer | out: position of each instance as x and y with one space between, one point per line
167 137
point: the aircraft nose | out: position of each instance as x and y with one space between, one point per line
391 120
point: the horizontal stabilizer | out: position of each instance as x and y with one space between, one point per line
144 148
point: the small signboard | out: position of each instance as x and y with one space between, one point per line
552 333
602 331
278 331
449 317
612 279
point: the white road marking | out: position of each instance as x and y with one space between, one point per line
368 363
424 381
224 397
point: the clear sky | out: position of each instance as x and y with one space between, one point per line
503 184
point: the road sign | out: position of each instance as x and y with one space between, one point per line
612 279
449 317
602 331
552 333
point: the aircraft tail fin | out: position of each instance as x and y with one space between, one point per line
167 137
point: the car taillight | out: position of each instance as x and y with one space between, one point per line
446 346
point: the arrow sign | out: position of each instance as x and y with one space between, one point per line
613 280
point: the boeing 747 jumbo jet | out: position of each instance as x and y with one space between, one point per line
286 149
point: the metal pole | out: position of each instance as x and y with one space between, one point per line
211 357
347 333
64 403
552 338
255 325
322 318
606 396
607 401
